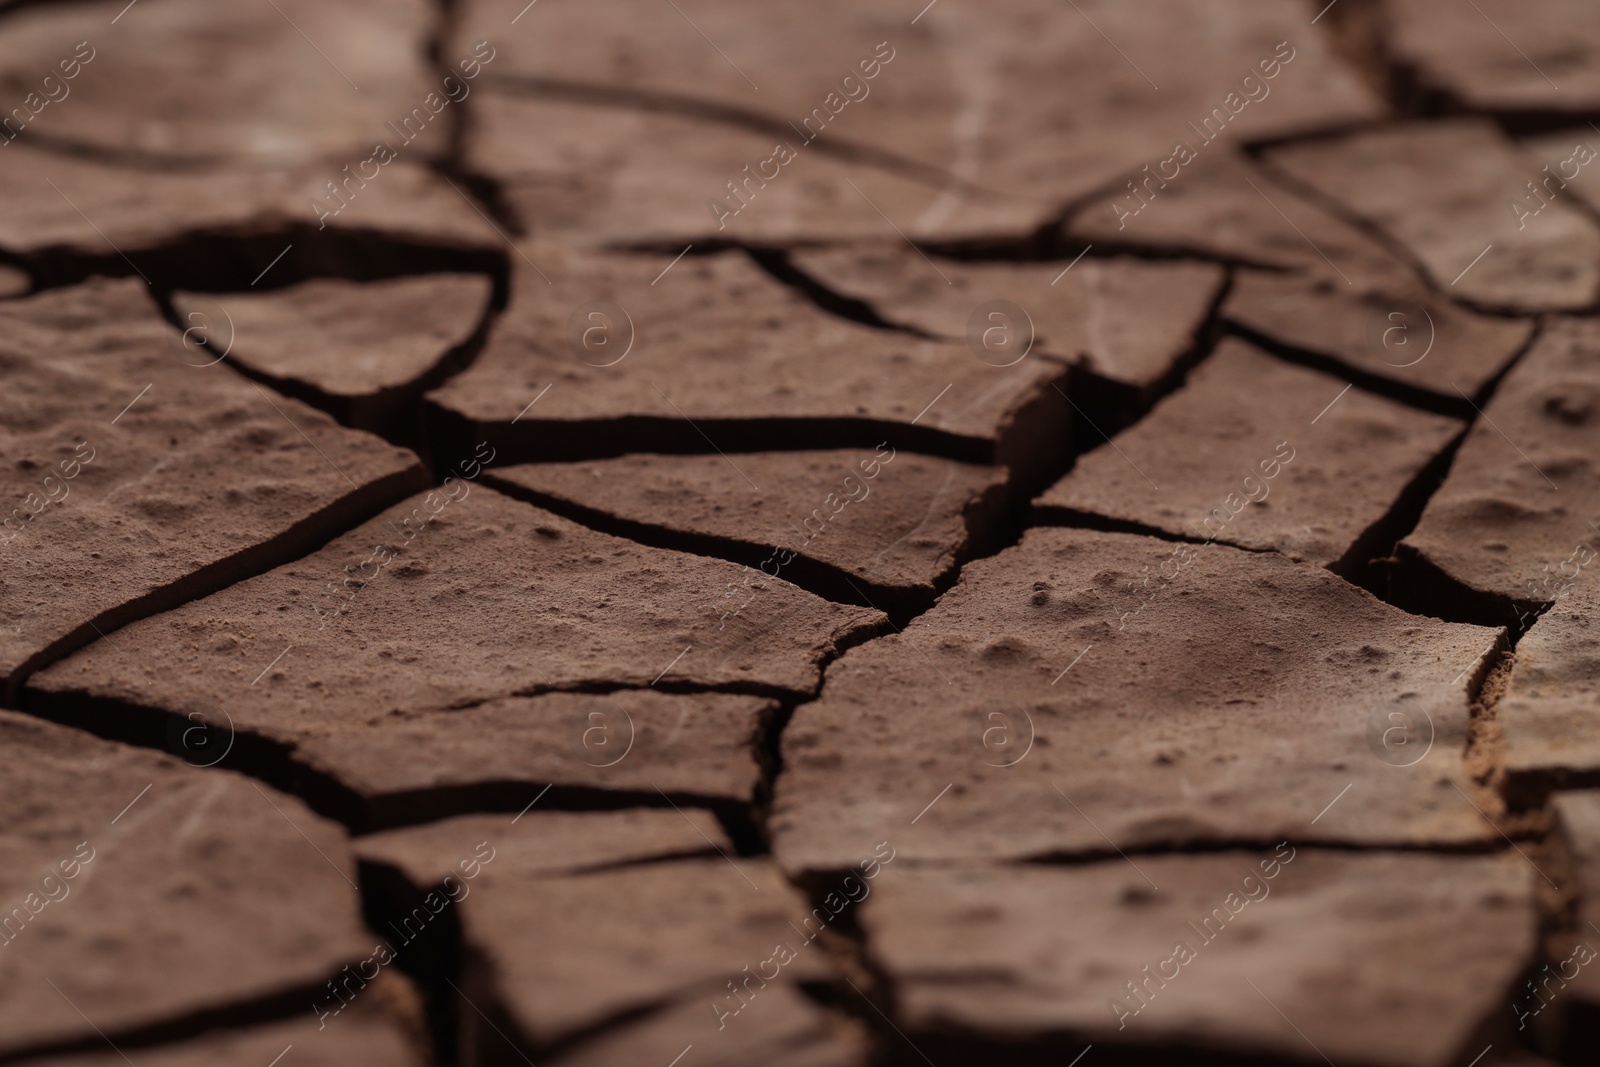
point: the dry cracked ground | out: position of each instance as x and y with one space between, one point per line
687 533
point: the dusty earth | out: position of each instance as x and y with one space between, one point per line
687 533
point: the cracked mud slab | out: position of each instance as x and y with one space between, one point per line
125 445
1441 190
146 866
190 82
1399 340
551 947
1097 314
1465 61
1247 952
886 526
1308 475
966 102
487 599
70 207
1225 207
1072 709
733 695
925 73
593 175
1547 714
601 749
362 351
1523 492
725 358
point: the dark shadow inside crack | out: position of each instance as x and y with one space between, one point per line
1405 578
278 764
769 758
1414 583
431 951
457 985
1188 846
1031 450
1073 518
1576 1034
241 259
1532 791
1104 405
1368 561
861 989
430 954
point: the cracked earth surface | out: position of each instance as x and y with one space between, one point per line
841 535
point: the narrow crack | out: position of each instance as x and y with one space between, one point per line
393 411
1407 580
817 576
778 264
663 102
862 989
278 764
1342 212
1421 397
1368 561
296 542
